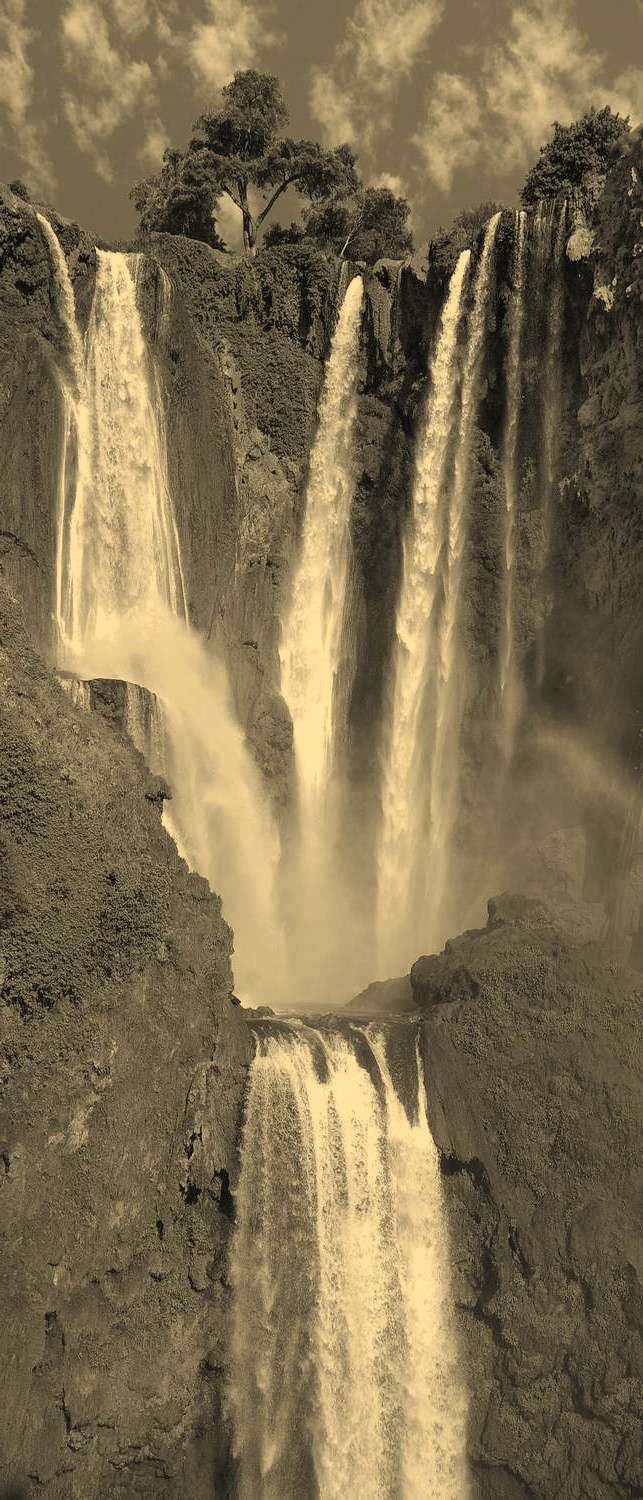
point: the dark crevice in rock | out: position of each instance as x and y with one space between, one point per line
453 1166
518 1253
513 1487
191 1193
18 541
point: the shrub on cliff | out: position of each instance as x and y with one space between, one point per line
576 153
20 190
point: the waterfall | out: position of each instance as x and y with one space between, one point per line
311 635
74 446
550 230
402 797
452 663
122 614
122 543
513 396
344 1362
312 638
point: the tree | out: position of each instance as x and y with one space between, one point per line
20 190
574 153
179 199
281 234
448 244
240 148
369 226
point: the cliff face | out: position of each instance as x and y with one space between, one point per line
534 1102
122 1064
123 1058
32 348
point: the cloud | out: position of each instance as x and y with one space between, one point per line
382 43
544 70
230 39
131 16
449 138
110 86
155 142
385 37
392 181
626 94
16 95
333 108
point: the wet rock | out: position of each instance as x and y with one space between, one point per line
119 1055
535 1106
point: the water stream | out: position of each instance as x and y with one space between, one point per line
345 1377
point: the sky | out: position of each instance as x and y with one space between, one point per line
446 101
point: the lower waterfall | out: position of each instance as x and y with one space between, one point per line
344 1361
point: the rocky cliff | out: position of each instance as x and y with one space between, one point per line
534 1099
123 1057
122 1064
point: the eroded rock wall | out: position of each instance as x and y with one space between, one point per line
122 1065
535 1103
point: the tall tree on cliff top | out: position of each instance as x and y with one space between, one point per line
575 154
239 146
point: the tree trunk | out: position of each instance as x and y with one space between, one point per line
249 234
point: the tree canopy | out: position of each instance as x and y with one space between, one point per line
239 146
239 150
179 199
370 225
574 153
447 244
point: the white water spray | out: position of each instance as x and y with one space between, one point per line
402 799
551 228
313 641
122 608
452 662
513 380
311 635
345 1376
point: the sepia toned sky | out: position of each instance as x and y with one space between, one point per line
446 100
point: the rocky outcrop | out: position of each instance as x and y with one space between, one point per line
32 349
530 1043
122 1066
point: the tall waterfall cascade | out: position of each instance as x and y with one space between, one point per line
420 781
345 1376
507 655
312 629
121 539
550 229
415 628
452 661
313 640
122 609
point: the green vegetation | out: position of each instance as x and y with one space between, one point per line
448 244
240 146
575 153
369 226
238 150
180 199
